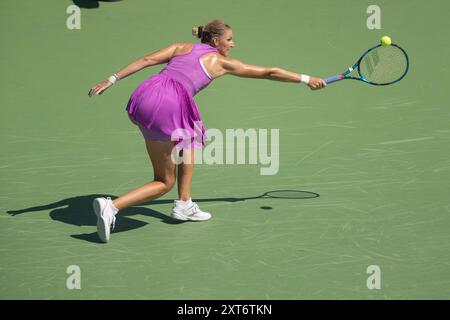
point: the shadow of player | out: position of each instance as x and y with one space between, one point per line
90 4
78 211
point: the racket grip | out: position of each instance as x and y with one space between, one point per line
333 79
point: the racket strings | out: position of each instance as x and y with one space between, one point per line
383 65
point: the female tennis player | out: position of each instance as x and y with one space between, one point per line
164 103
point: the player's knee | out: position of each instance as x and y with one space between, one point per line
169 183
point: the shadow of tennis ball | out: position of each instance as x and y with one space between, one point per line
266 208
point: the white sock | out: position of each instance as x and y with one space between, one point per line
183 204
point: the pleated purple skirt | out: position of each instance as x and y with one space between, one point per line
164 111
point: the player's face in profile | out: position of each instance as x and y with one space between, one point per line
225 42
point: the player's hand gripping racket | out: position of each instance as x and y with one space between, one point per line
381 65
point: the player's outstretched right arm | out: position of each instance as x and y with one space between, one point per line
237 68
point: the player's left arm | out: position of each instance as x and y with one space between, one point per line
155 58
161 56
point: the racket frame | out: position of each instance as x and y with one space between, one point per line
344 75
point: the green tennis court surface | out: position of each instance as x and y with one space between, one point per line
378 157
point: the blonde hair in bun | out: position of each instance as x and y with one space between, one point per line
214 28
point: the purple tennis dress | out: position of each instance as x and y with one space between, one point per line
164 104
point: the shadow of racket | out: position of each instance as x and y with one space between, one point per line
290 194
279 194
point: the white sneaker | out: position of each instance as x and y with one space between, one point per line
190 213
105 213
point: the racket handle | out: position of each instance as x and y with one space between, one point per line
333 79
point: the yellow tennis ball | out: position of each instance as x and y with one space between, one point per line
386 41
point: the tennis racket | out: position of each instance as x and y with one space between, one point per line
379 66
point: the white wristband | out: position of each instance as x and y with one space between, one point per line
304 78
113 78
